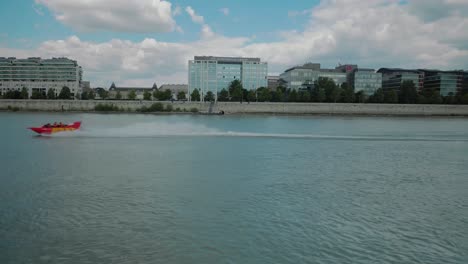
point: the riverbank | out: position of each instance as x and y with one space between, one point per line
244 108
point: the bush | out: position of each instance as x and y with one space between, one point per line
169 108
194 110
106 108
13 108
177 109
156 107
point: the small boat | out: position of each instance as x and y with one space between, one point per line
50 129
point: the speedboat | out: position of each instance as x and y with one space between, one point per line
50 129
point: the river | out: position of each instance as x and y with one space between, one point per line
130 188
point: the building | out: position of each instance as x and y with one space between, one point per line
125 91
208 73
273 82
392 78
40 75
366 80
175 89
445 82
302 77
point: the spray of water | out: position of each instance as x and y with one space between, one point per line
181 129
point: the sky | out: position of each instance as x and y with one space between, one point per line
141 42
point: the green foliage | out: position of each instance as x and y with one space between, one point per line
24 93
292 96
91 95
223 95
209 96
147 96
163 95
177 109
181 95
378 97
391 97
103 93
194 110
360 97
106 108
38 95
324 90
195 95
235 90
131 95
408 93
251 96
12 95
51 94
169 108
118 96
347 93
263 94
84 96
65 93
303 96
13 108
156 107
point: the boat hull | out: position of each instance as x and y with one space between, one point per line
52 130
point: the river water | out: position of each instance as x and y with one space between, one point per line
234 189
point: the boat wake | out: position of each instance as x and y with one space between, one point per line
164 129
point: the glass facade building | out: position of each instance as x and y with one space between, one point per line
301 77
393 78
366 80
446 82
38 74
207 73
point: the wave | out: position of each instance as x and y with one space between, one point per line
164 129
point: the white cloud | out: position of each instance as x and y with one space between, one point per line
177 11
113 15
370 33
225 11
195 18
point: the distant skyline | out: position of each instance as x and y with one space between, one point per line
140 42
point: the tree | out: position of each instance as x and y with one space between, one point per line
235 90
303 96
408 93
391 97
91 95
347 92
195 95
263 94
209 96
378 97
51 94
181 95
223 95
38 95
65 93
335 94
84 96
131 95
435 97
24 93
252 96
147 96
118 96
292 96
103 93
324 89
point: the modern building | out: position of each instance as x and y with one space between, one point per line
302 77
125 91
208 73
366 80
175 89
273 82
445 82
392 78
40 75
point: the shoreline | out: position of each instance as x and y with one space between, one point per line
236 108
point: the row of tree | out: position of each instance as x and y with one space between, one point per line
147 96
325 90
65 94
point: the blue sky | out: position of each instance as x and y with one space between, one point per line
140 42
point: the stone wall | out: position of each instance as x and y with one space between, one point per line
250 108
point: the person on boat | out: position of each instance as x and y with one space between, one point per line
55 124
61 125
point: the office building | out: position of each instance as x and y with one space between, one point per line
445 82
208 73
392 78
303 77
125 91
40 75
366 80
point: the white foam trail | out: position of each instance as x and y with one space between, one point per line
164 129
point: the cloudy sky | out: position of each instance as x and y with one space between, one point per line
140 42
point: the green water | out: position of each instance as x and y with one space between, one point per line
234 189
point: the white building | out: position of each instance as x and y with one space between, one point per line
40 75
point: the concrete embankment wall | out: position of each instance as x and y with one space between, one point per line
252 108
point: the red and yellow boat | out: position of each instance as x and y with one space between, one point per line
55 128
